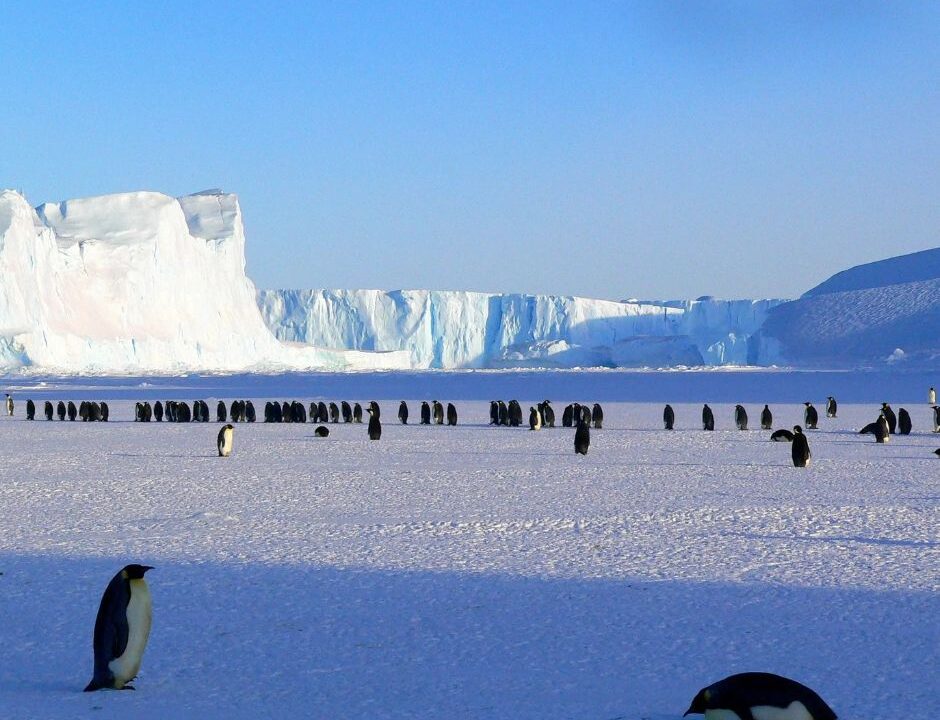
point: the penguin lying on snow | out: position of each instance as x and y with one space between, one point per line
759 696
322 431
782 436
121 629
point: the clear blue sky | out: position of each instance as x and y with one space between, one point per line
742 149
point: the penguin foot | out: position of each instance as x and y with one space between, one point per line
128 687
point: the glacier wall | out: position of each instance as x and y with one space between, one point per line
443 329
138 282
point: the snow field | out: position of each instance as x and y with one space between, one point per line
472 572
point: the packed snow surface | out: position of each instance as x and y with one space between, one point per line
475 572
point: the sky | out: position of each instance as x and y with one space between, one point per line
615 150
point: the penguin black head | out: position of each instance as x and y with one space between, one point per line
135 571
807 404
797 430
937 452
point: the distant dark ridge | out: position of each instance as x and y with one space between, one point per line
923 265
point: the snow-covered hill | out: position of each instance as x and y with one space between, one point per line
465 329
882 313
138 282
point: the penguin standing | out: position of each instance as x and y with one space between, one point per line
9 405
567 416
669 417
883 434
346 410
48 410
931 397
403 413
708 418
535 419
158 411
224 441
755 696
890 417
548 414
375 426
831 407
425 413
249 410
904 421
503 413
810 416
766 418
515 413
105 412
30 410
437 410
334 412
582 437
800 448
936 418
221 415
451 414
597 416
494 412
121 629
740 417
73 412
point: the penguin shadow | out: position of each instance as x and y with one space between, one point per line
164 455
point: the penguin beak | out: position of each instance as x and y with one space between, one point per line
145 568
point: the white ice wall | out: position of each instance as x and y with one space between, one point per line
462 329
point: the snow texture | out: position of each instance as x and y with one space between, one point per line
138 282
475 572
477 330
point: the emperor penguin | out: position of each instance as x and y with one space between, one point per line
334 412
249 410
831 407
503 413
437 410
890 417
375 425
936 418
346 410
781 436
515 413
535 419
403 413
708 418
30 410
221 415
48 410
810 416
9 404
494 412
756 696
904 421
224 441
451 414
799 450
425 413
158 411
766 418
931 397
567 416
73 411
669 417
582 437
357 413
105 411
883 434
548 414
121 629
322 431
597 416
740 417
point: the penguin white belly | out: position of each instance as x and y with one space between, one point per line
794 711
139 616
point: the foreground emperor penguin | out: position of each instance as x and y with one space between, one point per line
224 441
9 404
759 696
121 629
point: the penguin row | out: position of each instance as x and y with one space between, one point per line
432 413
180 412
125 618
85 411
810 416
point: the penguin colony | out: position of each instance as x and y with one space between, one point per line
124 618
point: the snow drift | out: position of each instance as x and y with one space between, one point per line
441 329
138 282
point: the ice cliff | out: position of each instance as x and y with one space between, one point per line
441 329
138 282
